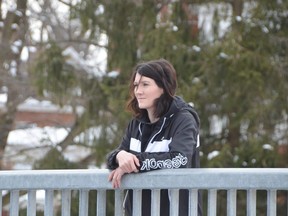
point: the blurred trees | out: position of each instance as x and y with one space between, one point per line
245 80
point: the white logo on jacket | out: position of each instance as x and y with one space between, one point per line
157 146
173 163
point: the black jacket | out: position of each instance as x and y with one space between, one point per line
172 142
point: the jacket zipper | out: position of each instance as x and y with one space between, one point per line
157 132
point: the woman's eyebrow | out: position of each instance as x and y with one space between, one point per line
141 81
145 81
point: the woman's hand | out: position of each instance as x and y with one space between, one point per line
127 162
116 176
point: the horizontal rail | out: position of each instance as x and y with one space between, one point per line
202 178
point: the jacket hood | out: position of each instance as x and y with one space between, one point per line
177 105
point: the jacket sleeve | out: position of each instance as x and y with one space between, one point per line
182 148
111 157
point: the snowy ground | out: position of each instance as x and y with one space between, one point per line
29 144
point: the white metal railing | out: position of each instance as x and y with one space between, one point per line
211 180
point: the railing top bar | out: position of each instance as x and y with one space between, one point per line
216 178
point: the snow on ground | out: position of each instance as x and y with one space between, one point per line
27 145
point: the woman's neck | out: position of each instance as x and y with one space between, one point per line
151 117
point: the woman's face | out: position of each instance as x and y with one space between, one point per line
146 91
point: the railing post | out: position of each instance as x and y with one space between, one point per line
155 202
174 202
271 202
101 202
119 208
137 202
14 203
251 202
231 202
1 202
193 202
83 202
48 209
31 207
212 202
66 203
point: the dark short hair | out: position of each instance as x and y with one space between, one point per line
164 75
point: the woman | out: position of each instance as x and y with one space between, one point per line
164 129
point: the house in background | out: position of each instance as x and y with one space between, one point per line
33 113
43 113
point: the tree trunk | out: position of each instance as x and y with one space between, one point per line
192 20
237 6
6 125
12 37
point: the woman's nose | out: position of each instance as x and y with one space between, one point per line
138 90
